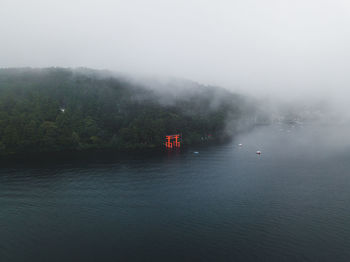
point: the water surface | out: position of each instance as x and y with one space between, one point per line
224 204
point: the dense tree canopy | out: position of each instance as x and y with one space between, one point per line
55 109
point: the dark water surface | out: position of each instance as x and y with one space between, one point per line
226 203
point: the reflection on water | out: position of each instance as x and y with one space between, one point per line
225 203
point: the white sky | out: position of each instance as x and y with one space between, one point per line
289 48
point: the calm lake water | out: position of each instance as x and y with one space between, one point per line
226 203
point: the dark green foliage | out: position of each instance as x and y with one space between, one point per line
45 110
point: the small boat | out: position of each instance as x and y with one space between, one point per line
258 152
240 145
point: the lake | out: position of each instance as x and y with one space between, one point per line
226 203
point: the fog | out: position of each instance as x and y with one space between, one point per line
280 50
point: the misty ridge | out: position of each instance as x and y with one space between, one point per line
60 109
259 108
63 109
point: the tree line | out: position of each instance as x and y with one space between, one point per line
57 109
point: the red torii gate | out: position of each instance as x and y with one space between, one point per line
172 141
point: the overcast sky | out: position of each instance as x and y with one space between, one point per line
296 47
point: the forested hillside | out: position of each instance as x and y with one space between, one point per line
55 109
